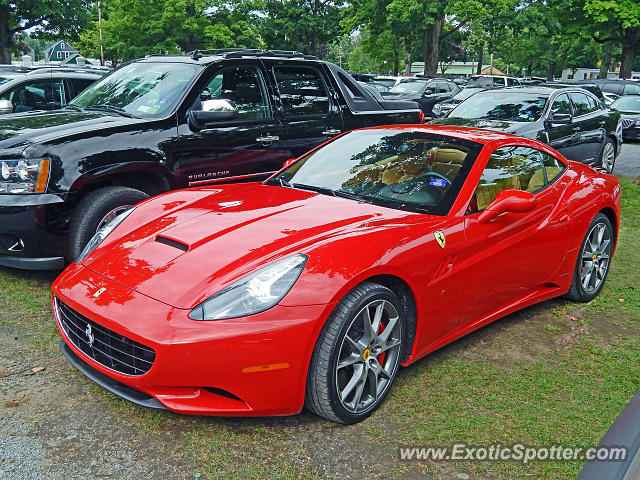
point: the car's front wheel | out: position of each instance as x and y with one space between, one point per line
357 355
593 260
95 210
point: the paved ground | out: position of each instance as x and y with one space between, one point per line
628 162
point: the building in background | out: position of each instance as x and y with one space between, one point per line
457 69
569 74
62 51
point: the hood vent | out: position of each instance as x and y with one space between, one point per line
173 243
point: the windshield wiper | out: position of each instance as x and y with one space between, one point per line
314 188
110 108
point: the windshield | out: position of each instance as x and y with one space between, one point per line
408 87
141 89
627 103
466 93
501 105
400 169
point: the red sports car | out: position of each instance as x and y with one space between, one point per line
313 287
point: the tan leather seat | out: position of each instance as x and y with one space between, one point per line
447 161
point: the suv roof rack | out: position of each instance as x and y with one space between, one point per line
250 52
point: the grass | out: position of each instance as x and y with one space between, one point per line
569 396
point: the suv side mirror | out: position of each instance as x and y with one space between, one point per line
6 106
214 110
560 118
515 201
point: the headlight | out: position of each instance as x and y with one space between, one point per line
24 176
436 109
254 293
102 234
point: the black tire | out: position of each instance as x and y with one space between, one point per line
88 214
609 162
323 378
578 291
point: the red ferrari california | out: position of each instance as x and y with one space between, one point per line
314 287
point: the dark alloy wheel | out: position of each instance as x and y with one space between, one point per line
357 355
593 260
95 210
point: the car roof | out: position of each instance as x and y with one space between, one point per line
539 89
205 57
478 135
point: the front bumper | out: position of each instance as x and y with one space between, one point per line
631 133
24 241
254 366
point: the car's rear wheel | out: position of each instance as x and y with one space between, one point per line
357 355
95 210
608 156
593 261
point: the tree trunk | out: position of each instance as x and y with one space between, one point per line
480 55
628 51
606 60
431 47
5 35
529 70
407 69
550 71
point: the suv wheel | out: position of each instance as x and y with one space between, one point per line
608 156
95 210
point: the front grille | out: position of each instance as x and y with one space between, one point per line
105 346
627 122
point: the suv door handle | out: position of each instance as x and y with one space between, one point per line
331 131
268 139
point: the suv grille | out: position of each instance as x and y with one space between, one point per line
105 346
627 122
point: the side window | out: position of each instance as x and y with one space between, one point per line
244 88
561 105
442 88
611 87
302 91
510 168
594 104
581 103
352 89
516 82
36 95
630 89
79 84
510 82
553 168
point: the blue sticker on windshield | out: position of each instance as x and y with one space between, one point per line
438 182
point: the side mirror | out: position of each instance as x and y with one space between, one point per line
6 106
560 118
288 162
214 110
513 201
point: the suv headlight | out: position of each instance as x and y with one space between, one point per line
101 234
254 293
24 175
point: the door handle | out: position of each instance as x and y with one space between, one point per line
331 131
268 139
576 129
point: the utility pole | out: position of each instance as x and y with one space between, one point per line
100 30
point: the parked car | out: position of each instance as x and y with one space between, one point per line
388 80
161 123
314 287
378 87
427 92
42 88
615 86
629 108
492 81
571 120
442 109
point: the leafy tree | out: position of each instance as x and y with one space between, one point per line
60 18
623 18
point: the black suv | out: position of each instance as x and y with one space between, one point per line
166 122
24 90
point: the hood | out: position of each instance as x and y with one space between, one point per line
23 129
227 232
634 115
501 125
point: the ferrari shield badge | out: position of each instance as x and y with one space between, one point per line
440 238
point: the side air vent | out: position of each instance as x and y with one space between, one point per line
172 243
